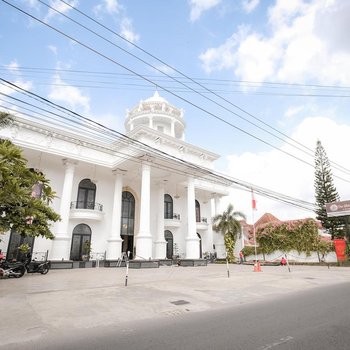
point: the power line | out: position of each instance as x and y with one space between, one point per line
192 80
214 81
304 149
237 183
162 87
143 77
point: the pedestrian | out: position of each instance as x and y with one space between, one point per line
2 256
241 257
283 261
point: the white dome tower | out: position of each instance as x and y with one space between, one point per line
158 114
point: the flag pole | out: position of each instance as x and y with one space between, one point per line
254 233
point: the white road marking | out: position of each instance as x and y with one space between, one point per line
278 342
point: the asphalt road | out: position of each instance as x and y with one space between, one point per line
314 319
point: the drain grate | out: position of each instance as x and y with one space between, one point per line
179 302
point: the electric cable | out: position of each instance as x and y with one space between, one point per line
306 150
259 190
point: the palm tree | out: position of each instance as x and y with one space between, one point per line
229 225
5 119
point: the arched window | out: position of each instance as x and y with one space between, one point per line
86 195
198 212
170 243
81 242
168 207
128 222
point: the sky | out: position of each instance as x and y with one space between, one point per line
259 81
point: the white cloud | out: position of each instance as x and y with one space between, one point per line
19 81
200 6
164 68
26 85
13 67
293 111
281 173
250 5
71 95
110 120
127 30
32 3
307 41
107 6
53 49
60 7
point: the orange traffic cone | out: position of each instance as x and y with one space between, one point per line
257 267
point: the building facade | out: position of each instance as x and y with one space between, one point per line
147 193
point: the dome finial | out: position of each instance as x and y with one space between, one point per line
156 94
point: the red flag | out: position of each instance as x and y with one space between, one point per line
253 201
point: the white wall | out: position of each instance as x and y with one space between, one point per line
294 256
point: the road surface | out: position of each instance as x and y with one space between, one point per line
308 320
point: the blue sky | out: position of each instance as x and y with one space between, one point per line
280 61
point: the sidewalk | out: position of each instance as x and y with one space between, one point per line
84 298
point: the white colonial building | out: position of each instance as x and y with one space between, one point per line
147 192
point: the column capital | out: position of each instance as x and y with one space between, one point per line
119 171
146 159
69 162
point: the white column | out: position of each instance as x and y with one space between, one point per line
150 122
217 205
114 242
61 243
160 243
210 238
144 238
192 240
172 132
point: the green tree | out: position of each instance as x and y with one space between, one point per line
21 209
325 192
5 119
301 235
229 225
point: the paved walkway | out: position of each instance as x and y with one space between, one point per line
83 298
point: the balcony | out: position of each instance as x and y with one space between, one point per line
202 224
86 210
175 221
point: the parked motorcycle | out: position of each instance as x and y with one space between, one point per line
18 268
12 269
42 267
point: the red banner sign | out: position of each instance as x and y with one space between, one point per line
340 249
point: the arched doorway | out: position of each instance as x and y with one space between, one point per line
17 240
81 242
170 243
86 195
128 223
200 246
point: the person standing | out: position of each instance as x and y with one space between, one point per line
241 257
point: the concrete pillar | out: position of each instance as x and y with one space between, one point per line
192 240
144 238
210 238
172 132
61 243
218 209
114 242
160 243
